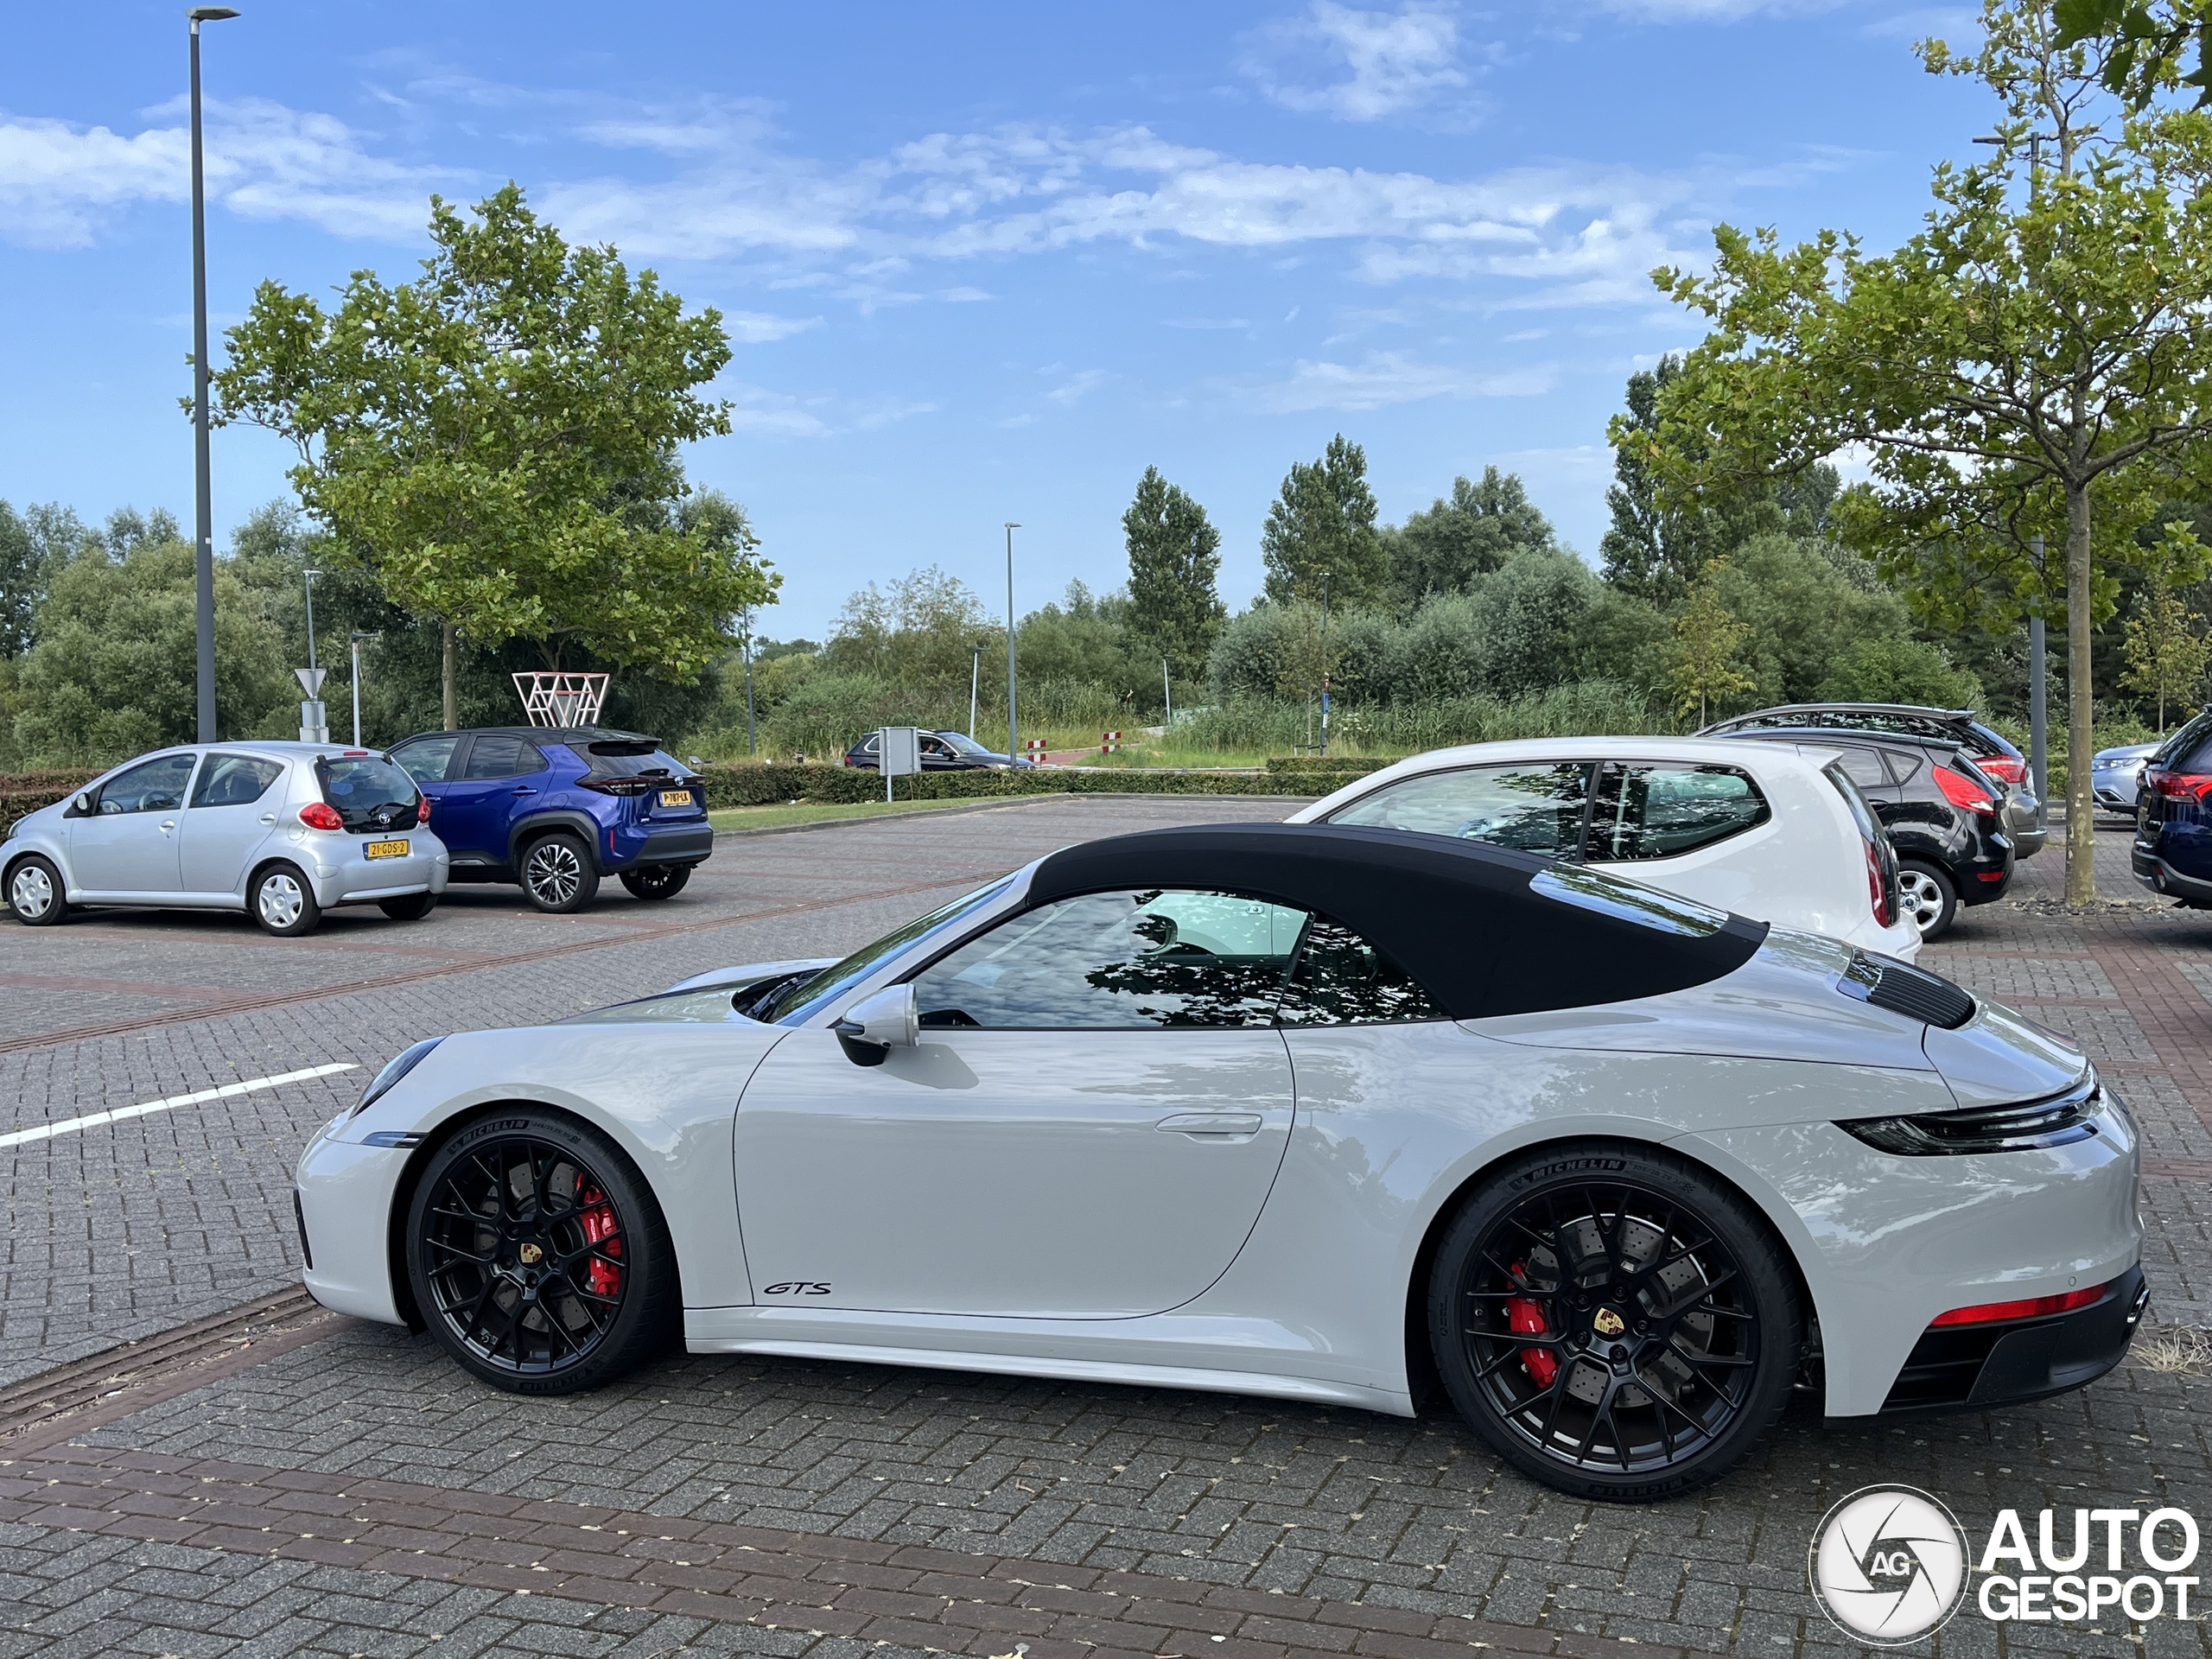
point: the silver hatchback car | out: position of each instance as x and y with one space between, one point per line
282 831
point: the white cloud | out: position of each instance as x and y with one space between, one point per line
1398 61
757 327
1714 11
62 184
1077 387
1388 378
1206 322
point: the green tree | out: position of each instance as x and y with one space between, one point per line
1706 639
2166 654
1323 523
497 441
113 669
920 634
1444 549
1174 561
2018 362
23 583
2146 43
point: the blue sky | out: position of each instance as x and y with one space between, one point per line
981 261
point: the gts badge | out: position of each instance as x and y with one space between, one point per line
797 1288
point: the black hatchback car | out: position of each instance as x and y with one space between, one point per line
1942 811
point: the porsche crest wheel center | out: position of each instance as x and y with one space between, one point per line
1606 1324
532 1254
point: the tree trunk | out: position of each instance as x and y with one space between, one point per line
2080 705
445 679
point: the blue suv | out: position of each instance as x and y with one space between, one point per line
552 811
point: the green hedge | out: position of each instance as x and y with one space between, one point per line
780 783
27 792
1331 765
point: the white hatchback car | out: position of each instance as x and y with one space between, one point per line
1768 831
280 830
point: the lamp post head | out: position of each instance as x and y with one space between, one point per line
210 14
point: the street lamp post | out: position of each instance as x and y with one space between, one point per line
1013 724
1325 665
309 576
975 684
357 641
203 549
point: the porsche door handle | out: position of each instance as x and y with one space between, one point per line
1210 1125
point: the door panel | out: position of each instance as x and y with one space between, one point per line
129 844
233 812
1072 1175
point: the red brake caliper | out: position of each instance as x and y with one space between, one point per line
603 1278
1525 1318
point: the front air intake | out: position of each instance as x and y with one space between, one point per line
1903 988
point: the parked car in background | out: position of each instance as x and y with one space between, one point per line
1755 828
282 831
553 809
1942 810
2173 825
1988 748
2116 776
941 752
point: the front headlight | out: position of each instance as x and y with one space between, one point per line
406 1061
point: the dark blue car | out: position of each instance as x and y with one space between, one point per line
552 811
2173 819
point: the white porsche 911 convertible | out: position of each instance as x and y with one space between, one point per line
1327 1113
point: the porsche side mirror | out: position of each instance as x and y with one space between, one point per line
875 1024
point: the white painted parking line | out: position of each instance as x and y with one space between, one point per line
147 1108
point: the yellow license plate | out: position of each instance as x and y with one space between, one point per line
386 849
676 797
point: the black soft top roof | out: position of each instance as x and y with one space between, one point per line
1459 916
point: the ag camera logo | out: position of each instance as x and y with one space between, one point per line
1888 1565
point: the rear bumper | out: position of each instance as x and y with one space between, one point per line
1975 1367
661 844
2159 876
340 874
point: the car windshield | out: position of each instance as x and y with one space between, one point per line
369 791
965 744
806 998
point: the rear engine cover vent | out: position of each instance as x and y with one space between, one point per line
1903 988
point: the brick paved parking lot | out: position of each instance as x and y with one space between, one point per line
339 1488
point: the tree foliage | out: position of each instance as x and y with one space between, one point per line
497 441
2010 369
2165 651
1323 523
1174 563
1706 639
1444 549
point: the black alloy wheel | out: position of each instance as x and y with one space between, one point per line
535 1255
1614 1321
657 881
557 874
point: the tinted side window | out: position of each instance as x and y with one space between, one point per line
1534 807
494 756
234 780
1864 768
426 758
151 786
1342 979
1663 811
1904 767
1118 960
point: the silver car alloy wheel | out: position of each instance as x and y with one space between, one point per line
553 871
280 900
1922 898
31 893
